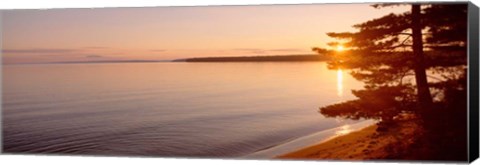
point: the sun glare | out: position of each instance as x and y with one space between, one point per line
344 130
340 48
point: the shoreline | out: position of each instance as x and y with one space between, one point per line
264 58
363 144
306 141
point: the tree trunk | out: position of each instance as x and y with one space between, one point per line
424 96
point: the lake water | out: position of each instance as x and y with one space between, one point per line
167 109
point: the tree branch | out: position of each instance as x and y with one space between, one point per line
400 46
408 34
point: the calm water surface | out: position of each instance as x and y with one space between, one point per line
167 109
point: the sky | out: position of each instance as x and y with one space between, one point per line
167 33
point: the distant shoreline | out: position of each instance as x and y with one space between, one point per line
273 58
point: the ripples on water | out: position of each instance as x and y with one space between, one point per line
166 109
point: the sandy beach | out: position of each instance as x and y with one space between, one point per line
365 144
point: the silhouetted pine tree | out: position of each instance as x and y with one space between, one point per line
414 62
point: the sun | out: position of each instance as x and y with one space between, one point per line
340 48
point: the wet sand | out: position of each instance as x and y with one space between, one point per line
365 144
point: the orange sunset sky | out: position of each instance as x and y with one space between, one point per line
166 33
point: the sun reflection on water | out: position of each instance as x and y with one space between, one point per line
339 82
344 130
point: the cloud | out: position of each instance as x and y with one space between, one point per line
285 50
49 50
95 47
247 49
251 50
263 51
94 56
38 51
158 50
